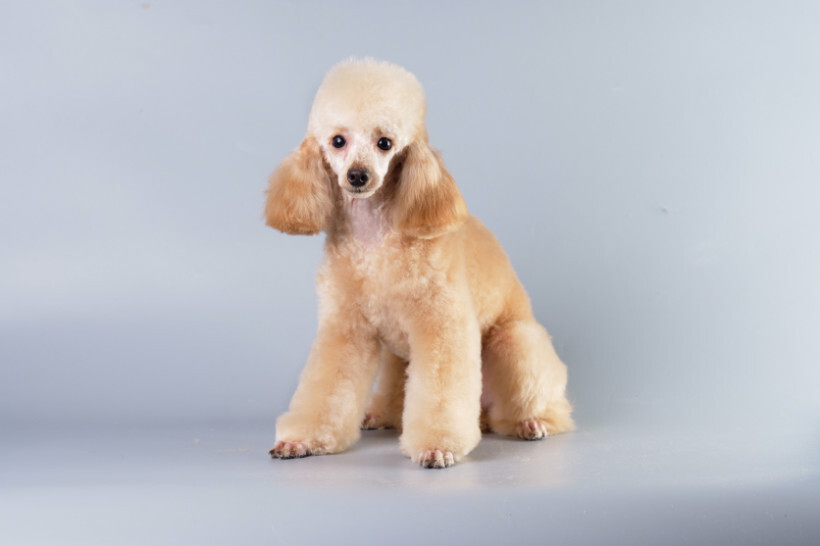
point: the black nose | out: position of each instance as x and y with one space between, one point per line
357 178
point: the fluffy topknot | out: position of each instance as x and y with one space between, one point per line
367 92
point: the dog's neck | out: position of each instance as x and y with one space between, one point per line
367 219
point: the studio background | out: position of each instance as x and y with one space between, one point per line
651 169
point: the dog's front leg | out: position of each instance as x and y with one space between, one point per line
328 405
443 390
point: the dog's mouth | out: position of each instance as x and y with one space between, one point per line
360 193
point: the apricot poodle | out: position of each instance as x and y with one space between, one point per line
412 288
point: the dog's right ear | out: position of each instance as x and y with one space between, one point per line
299 200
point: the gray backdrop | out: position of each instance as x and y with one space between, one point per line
650 167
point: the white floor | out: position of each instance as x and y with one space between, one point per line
216 485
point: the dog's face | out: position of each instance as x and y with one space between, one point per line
364 114
360 158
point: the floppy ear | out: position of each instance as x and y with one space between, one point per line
299 199
427 202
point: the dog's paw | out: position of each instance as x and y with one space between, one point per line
531 429
370 422
290 450
484 421
373 421
435 458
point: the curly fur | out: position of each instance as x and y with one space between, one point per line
411 284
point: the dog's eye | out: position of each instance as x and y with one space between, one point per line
339 141
384 143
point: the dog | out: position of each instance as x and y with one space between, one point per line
412 288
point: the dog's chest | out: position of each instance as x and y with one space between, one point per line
383 291
392 330
381 267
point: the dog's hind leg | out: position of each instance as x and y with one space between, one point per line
526 382
387 401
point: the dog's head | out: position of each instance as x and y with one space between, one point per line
365 113
367 118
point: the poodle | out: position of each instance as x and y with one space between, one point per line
412 289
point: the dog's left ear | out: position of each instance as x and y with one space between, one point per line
299 196
428 203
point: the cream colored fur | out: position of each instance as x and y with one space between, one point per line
411 284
